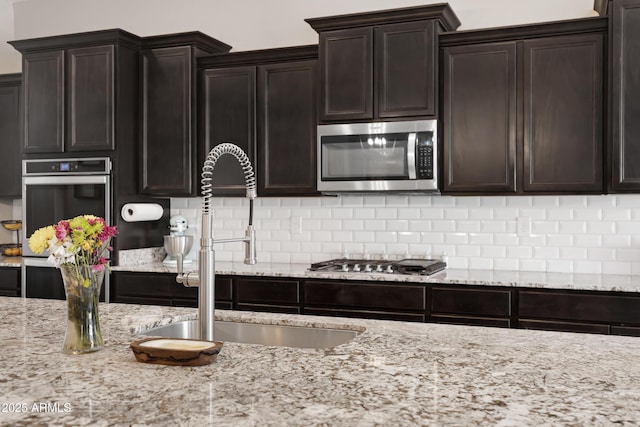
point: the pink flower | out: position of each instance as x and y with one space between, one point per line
62 228
102 263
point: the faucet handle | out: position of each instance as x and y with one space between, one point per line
250 246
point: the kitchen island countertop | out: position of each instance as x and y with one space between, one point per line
393 373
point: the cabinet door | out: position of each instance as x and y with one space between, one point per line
10 282
405 77
346 74
10 144
479 118
273 295
563 114
43 97
168 148
90 118
287 128
625 102
228 108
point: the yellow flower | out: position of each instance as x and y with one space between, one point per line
38 240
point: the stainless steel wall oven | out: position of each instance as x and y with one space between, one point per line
55 189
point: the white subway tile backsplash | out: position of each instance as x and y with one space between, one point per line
493 251
456 238
573 253
533 265
506 264
419 225
409 213
601 227
443 226
493 226
570 234
628 227
341 213
572 227
560 266
456 214
397 225
481 238
561 240
617 214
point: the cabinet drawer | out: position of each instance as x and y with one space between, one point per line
269 308
142 285
9 279
473 321
580 307
222 289
366 314
365 295
483 302
546 325
267 291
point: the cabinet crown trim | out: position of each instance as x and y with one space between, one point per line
511 33
11 79
258 57
440 11
195 39
69 41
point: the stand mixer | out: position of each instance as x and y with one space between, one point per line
177 243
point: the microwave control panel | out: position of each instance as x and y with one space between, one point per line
424 161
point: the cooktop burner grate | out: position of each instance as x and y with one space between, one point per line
422 267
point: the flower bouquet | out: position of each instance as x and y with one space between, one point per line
78 247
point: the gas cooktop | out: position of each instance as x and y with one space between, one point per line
423 267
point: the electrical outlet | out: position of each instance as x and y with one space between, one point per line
523 225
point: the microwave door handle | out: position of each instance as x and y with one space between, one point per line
411 155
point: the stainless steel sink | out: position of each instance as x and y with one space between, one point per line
257 333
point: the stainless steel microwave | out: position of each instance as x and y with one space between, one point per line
378 157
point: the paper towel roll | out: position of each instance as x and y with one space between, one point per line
134 212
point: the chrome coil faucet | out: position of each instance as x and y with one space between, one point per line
205 277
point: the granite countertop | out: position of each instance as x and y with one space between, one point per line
592 282
10 261
393 373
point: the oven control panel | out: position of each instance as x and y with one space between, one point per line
78 166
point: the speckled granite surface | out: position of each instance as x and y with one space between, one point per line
394 373
6 261
593 282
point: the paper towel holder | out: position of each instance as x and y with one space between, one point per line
135 212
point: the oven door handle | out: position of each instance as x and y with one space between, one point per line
411 154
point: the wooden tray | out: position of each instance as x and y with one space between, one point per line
176 351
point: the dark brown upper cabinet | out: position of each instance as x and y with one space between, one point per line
479 117
168 112
10 172
522 109
380 65
264 102
76 91
624 21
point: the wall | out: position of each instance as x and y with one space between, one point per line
569 234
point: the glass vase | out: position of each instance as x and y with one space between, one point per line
82 289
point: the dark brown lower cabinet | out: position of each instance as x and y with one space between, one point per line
9 282
614 313
368 300
546 325
162 289
468 306
579 312
267 294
